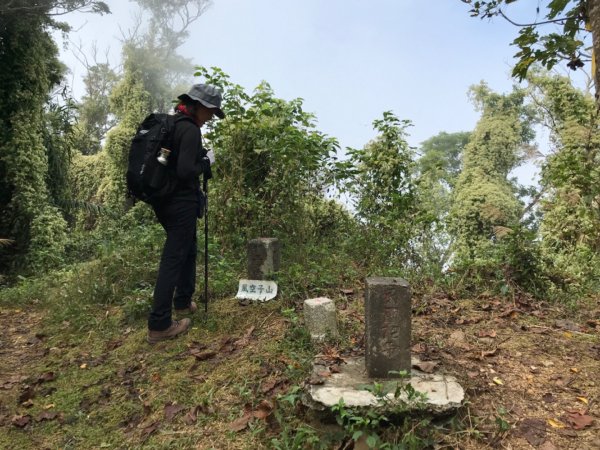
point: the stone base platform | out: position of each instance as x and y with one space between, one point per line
444 394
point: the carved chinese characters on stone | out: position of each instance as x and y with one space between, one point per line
387 326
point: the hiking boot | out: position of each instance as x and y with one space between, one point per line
177 327
189 310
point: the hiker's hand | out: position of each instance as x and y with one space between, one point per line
211 156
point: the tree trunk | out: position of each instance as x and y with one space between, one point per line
593 7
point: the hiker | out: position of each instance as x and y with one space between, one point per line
178 213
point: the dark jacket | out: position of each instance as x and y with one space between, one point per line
190 159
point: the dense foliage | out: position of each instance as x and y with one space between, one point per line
447 213
25 162
571 181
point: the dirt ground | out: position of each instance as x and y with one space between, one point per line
531 371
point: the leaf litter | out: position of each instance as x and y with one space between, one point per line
535 339
540 372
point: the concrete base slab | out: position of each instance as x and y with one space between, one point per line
443 393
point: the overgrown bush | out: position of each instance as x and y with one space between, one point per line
48 240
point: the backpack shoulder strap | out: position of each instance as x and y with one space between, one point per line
181 117
173 121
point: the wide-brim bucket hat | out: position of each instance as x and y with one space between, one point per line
208 95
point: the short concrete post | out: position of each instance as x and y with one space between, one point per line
320 319
264 255
387 326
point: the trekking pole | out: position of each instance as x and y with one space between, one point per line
205 188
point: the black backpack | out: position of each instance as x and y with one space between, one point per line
148 179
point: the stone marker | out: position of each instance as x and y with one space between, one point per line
320 319
443 393
387 326
264 255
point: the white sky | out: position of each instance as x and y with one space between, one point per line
349 60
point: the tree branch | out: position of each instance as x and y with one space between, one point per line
530 24
533 202
61 8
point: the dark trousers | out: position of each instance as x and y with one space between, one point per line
176 279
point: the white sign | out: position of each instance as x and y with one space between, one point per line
257 290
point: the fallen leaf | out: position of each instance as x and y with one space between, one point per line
83 366
579 421
171 410
48 376
50 406
242 422
268 385
203 356
547 446
567 432
583 400
485 353
334 368
46 415
331 355
226 345
32 340
458 339
86 404
147 430
196 345
574 369
512 313
114 344
426 366
556 424
192 415
155 377
533 430
498 381
419 348
274 387
567 325
264 410
27 393
198 378
28 404
15 379
21 421
487 333
244 340
539 330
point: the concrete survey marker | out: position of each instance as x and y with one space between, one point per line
387 326
387 352
443 393
264 257
320 318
